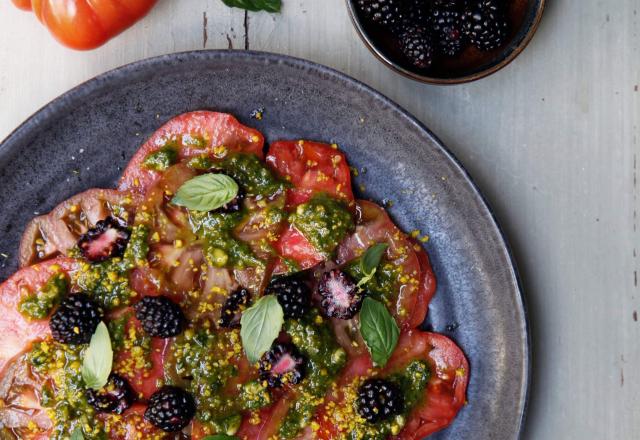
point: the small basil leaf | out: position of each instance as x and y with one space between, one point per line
255 5
77 434
372 257
98 359
379 330
220 437
260 325
206 192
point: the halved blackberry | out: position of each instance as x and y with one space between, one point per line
115 397
170 409
233 307
281 365
160 317
416 45
107 239
384 12
379 399
75 320
341 298
293 295
446 25
485 24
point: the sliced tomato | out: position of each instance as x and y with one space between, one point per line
144 370
56 233
410 296
294 246
265 423
18 332
131 425
193 134
311 167
447 387
426 288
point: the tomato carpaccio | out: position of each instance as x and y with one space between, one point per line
243 294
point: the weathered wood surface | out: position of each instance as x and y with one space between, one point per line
551 141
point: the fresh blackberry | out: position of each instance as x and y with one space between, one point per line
106 240
170 409
416 11
115 397
293 295
160 317
233 307
384 12
75 320
446 26
341 298
281 365
416 45
379 399
485 24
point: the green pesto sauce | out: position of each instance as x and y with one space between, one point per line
161 159
39 305
220 248
324 222
206 359
108 281
325 360
383 286
201 162
251 174
67 402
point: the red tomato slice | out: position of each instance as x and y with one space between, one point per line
193 134
414 288
131 425
312 167
446 390
17 331
142 371
56 233
293 245
265 426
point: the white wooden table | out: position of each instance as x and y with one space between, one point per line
551 141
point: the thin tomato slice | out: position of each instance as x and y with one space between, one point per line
131 425
447 387
17 331
312 167
413 288
294 246
192 134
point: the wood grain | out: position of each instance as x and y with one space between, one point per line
551 141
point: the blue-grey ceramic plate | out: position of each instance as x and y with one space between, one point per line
84 139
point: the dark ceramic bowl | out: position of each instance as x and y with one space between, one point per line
523 16
84 139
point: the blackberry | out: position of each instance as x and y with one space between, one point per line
160 317
283 364
170 409
341 298
384 12
446 26
416 45
233 307
106 240
75 320
379 399
416 11
485 24
115 397
293 295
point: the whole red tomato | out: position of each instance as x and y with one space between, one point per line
86 24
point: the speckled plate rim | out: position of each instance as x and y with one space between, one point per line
49 112
516 48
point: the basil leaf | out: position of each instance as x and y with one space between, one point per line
98 359
260 325
255 5
370 260
206 192
77 434
220 437
379 330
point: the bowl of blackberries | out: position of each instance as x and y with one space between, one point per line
446 41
